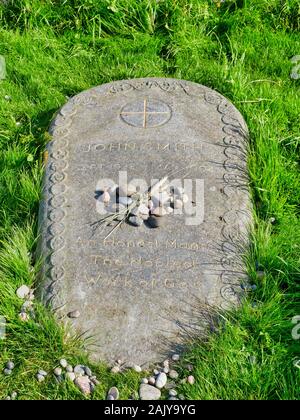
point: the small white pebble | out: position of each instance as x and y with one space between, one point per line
14 395
151 381
173 374
23 291
40 378
156 372
144 381
71 376
172 392
115 369
175 357
42 372
57 371
137 368
191 380
63 363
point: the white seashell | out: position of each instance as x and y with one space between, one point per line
126 201
159 211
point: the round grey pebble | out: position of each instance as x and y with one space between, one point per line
23 291
110 398
144 381
175 357
156 372
57 371
10 365
173 374
42 372
181 397
79 370
63 363
114 392
148 392
166 370
7 372
161 380
69 368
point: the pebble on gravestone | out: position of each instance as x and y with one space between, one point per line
147 130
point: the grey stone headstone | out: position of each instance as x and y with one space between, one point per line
142 290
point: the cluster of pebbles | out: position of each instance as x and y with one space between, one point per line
125 201
80 375
162 378
27 295
9 367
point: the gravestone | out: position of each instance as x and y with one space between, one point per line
140 291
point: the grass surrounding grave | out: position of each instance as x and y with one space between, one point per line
55 49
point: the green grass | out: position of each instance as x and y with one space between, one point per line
55 49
